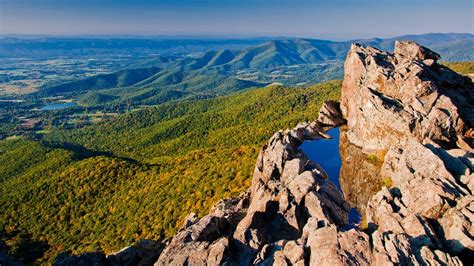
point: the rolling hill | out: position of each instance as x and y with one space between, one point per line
138 175
212 73
104 81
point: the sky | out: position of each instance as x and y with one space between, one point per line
330 19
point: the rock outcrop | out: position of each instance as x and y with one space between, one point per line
387 97
416 117
419 116
267 224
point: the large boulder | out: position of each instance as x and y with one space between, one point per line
418 115
387 97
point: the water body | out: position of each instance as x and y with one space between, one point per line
58 106
327 154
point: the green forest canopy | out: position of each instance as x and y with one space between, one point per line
105 186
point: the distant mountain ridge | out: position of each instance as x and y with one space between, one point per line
54 46
288 61
104 81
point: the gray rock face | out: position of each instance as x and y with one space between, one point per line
387 97
330 114
419 115
413 50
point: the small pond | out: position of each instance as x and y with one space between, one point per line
58 106
326 153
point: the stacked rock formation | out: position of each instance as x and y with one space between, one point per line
419 115
413 113
290 196
387 97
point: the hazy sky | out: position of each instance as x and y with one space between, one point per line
334 19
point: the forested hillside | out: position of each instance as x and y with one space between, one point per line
105 81
138 175
293 61
461 67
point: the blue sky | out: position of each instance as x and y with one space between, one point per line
333 19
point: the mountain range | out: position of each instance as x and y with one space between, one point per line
292 61
287 61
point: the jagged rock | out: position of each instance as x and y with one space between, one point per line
209 228
192 253
302 184
231 209
324 247
282 253
216 252
355 247
438 257
330 247
276 210
412 117
420 176
294 252
411 110
387 97
287 189
457 225
190 219
207 240
330 114
413 50
461 164
399 249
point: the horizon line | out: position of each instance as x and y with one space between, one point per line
201 36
